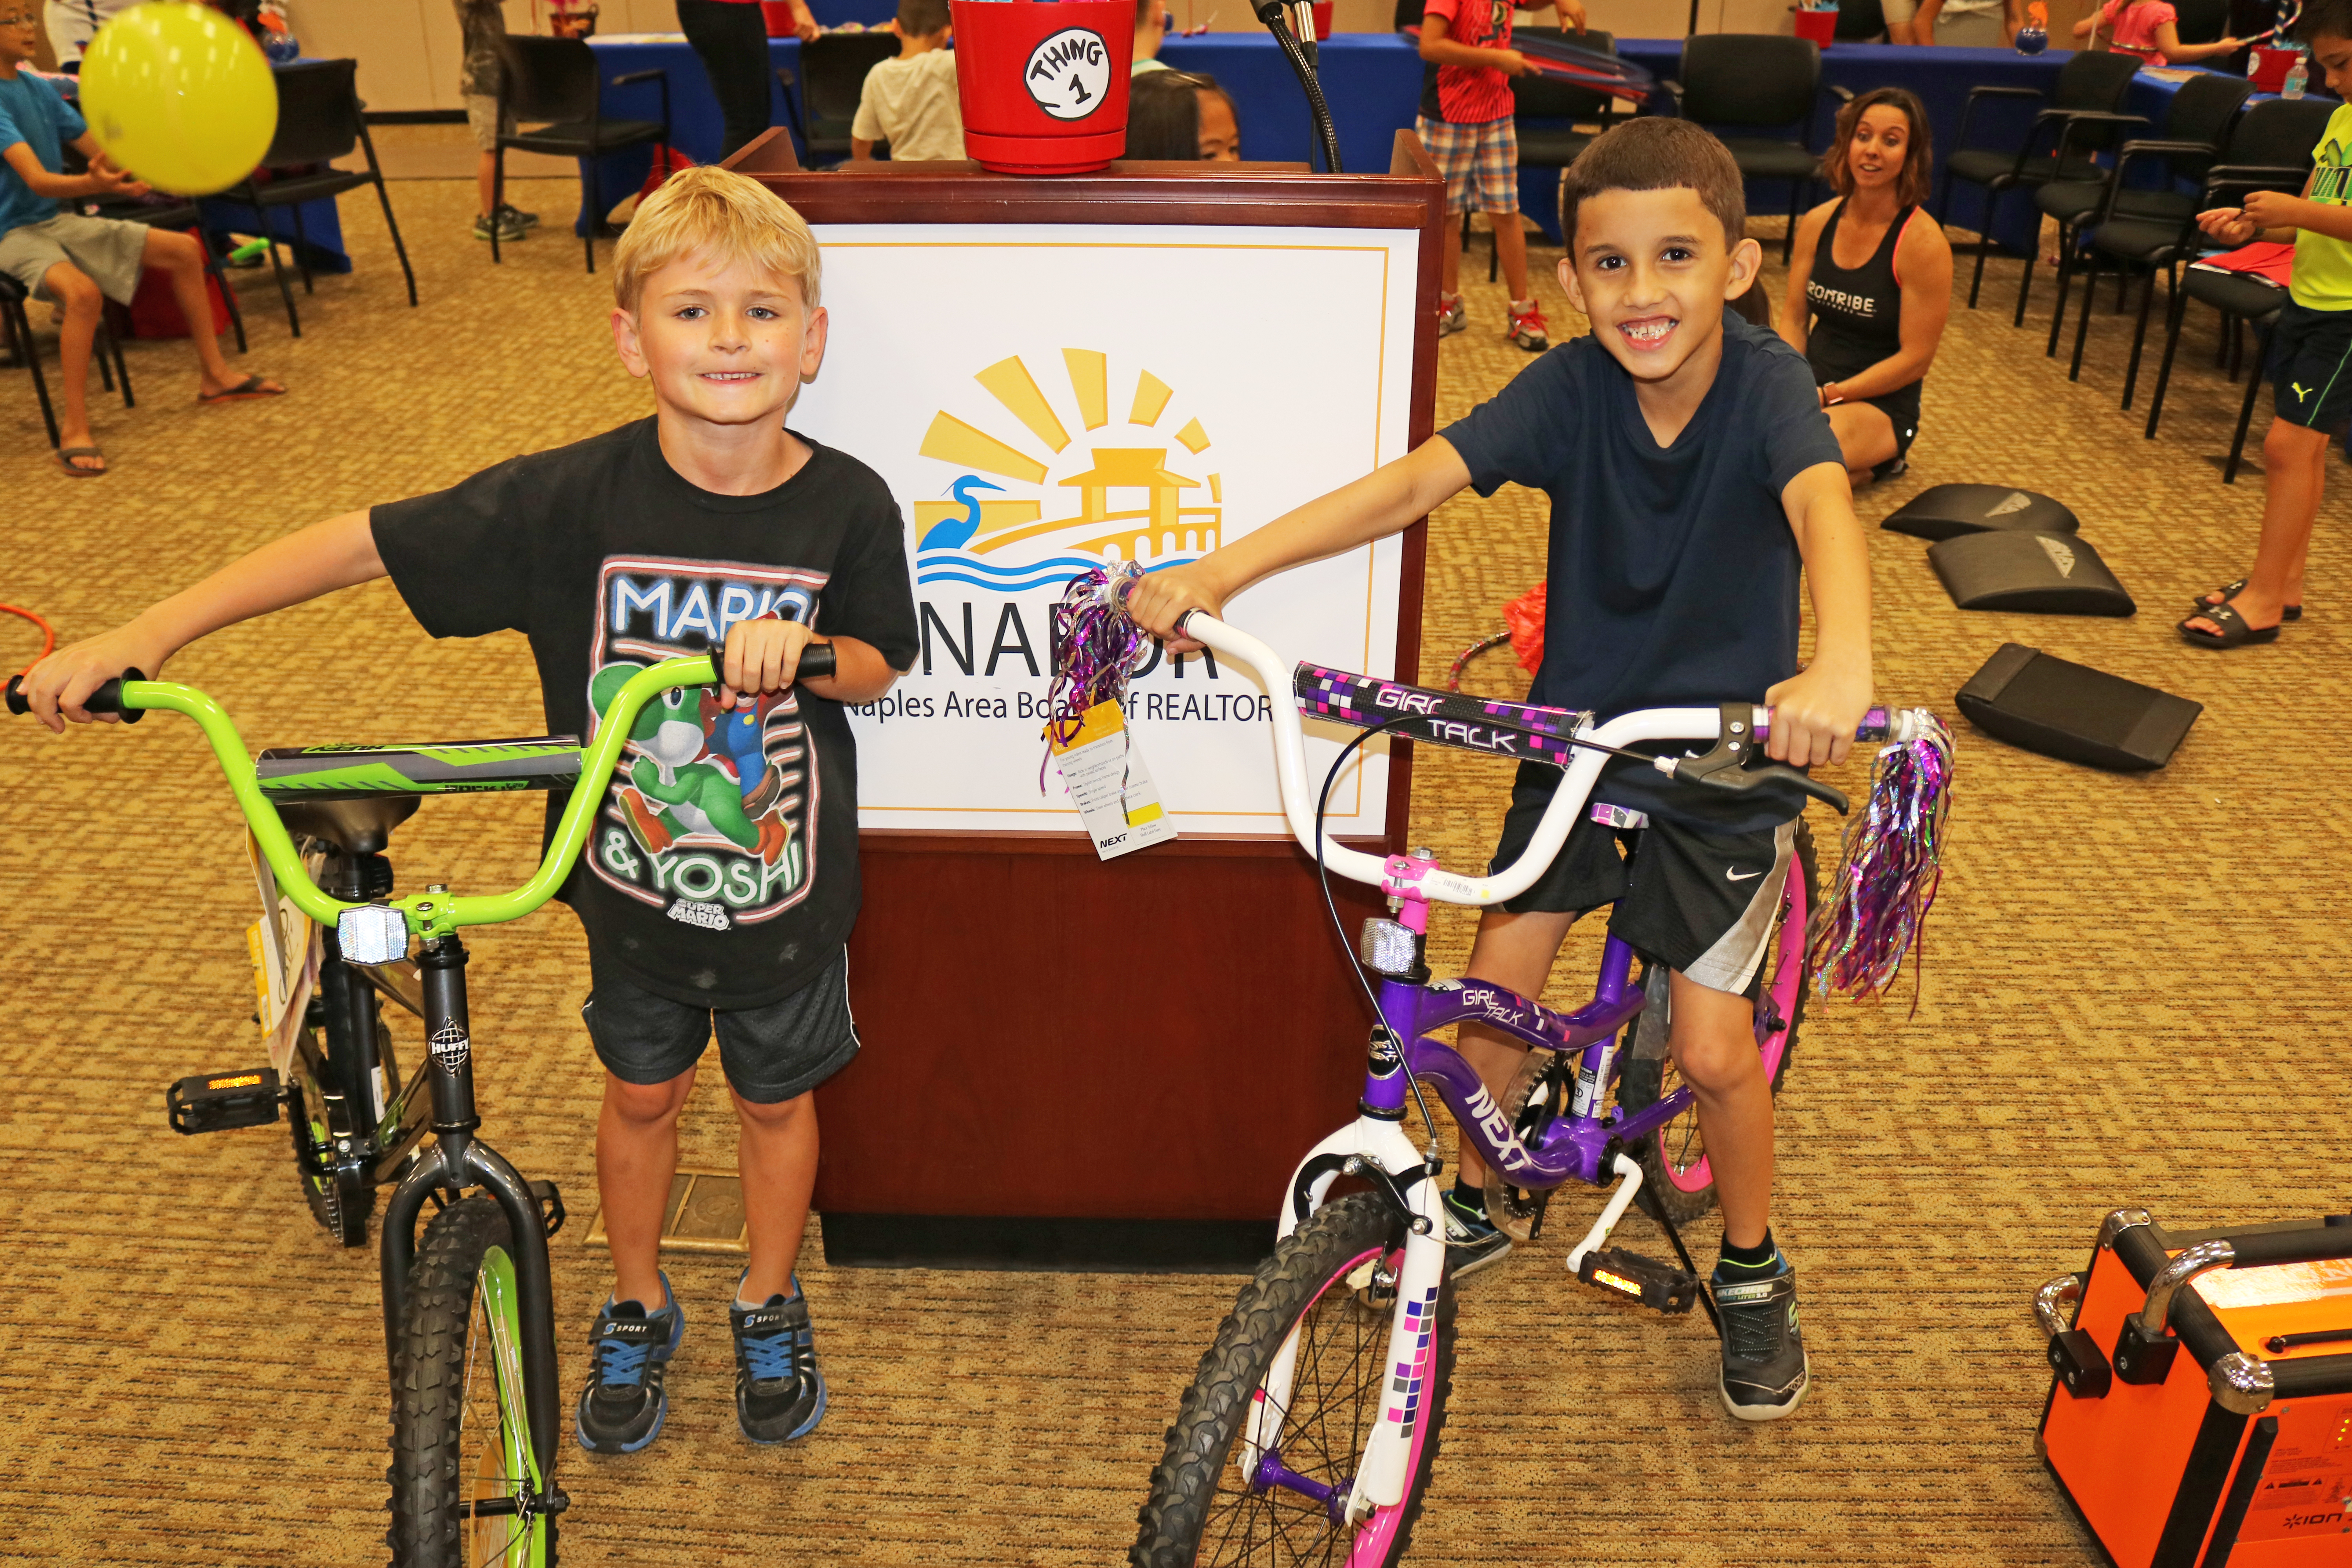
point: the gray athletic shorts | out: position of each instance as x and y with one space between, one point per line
482 120
1700 903
107 250
769 1053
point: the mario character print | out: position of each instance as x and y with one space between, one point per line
712 815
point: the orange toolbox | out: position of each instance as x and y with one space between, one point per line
2201 1413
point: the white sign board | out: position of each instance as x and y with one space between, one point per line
1042 399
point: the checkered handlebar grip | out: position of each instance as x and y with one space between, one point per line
1518 730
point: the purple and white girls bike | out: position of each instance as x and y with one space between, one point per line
1309 1433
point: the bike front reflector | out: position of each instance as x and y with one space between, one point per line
1388 947
371 933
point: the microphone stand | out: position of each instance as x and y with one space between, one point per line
1302 64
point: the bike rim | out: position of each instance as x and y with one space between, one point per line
1338 1382
495 1469
1680 1152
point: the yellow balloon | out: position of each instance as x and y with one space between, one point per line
179 95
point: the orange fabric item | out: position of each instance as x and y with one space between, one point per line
1525 616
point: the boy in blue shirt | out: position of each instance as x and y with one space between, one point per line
75 261
1692 475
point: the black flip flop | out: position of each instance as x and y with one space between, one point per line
2230 590
2234 632
64 459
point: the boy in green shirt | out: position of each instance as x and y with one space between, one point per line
2311 353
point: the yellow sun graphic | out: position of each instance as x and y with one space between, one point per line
1006 542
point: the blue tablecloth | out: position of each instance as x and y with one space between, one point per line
1371 81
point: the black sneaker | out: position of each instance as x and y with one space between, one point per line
1764 1371
779 1392
508 230
1471 1241
516 217
621 1409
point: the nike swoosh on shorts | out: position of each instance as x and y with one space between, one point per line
1730 875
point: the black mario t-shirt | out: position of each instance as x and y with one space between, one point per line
721 869
1672 578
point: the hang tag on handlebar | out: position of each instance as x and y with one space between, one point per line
1109 785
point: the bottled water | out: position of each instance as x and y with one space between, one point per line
2297 78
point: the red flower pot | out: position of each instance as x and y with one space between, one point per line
1819 26
1044 86
1323 21
2267 68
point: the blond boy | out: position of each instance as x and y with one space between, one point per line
720 880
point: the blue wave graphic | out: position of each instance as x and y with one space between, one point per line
963 566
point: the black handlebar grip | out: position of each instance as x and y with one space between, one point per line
816 662
107 698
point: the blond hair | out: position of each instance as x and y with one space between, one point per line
727 215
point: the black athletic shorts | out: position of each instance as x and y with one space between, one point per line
1699 904
769 1053
2311 367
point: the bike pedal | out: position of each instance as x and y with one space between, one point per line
1660 1285
551 1206
215 1102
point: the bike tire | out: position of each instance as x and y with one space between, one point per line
1676 1182
460 1431
1302 1288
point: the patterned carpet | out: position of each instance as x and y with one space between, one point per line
2126 1002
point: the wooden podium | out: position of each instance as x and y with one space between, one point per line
1071 1063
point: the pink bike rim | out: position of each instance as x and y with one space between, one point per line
1788 981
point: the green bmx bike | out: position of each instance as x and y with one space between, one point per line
468 1307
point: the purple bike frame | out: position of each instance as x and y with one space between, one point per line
1576 1144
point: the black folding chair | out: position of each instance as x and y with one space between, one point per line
1860 22
318 121
2275 139
1758 81
2088 83
2198 121
552 83
1549 116
17 333
833 78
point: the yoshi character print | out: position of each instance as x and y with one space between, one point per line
712 814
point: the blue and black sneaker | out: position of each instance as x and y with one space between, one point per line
779 1392
621 1409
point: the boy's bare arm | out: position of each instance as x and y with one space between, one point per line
764 656
321 558
1388 500
104 179
1817 709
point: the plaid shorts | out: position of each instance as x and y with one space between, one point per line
1481 163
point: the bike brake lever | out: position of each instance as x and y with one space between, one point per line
1725 767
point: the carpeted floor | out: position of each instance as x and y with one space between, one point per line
2128 1001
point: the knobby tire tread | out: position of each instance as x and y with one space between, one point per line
428 1383
1213 1411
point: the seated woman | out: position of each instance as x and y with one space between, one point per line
1870 284
2149 28
1180 116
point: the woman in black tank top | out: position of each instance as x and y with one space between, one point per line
1871 282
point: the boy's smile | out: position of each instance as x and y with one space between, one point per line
1653 270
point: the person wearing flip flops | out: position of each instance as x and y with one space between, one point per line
75 261
2311 355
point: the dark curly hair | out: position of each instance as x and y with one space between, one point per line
1655 153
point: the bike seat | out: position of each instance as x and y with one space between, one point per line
344 772
354 827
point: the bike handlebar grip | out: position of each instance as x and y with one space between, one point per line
107 698
817 662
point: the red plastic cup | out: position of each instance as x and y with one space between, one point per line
1044 86
2267 68
779 14
1819 26
1323 21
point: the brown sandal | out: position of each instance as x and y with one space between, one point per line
252 386
66 460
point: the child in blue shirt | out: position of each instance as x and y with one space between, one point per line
75 261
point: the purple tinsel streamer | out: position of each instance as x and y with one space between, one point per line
1891 867
1096 646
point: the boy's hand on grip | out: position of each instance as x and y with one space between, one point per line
760 657
1161 598
1815 713
55 688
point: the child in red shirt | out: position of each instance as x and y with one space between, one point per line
2149 28
1465 122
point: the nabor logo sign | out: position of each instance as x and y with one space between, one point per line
1068 75
1119 500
